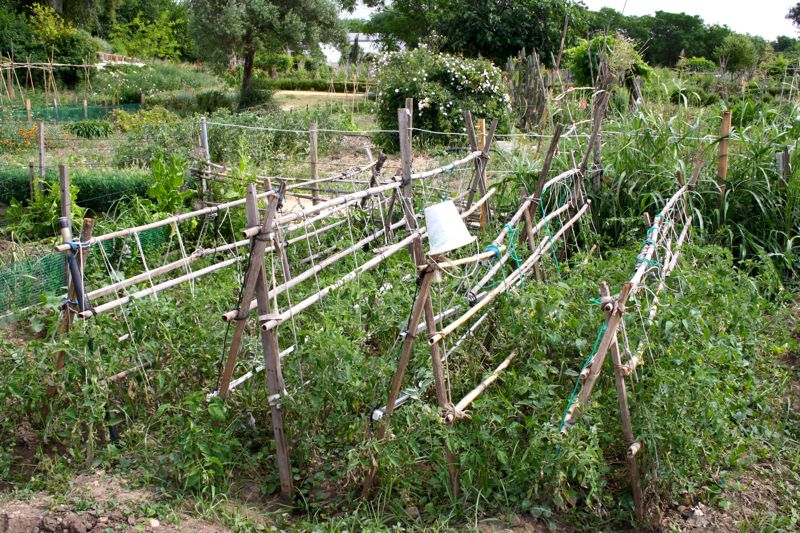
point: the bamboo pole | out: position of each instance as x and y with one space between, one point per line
113 304
465 260
169 220
505 257
471 396
311 272
313 159
615 310
273 321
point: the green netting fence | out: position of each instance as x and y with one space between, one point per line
27 282
70 113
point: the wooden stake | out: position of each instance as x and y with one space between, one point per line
313 158
32 180
722 167
28 109
625 414
407 193
269 342
41 149
426 278
251 278
67 318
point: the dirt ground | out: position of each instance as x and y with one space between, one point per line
95 502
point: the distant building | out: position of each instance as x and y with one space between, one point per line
368 43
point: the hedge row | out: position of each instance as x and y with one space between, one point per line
97 190
289 84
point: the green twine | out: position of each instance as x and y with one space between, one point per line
550 235
513 233
578 381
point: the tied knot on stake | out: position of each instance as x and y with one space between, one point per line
452 413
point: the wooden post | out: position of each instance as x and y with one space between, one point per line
68 317
41 149
32 179
625 413
269 343
406 196
410 107
722 167
141 99
479 180
528 223
207 156
441 390
28 109
481 141
85 109
63 179
313 154
425 282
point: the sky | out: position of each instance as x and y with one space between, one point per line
765 18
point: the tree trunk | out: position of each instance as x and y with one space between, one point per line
247 76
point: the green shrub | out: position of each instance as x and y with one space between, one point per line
127 83
207 102
696 64
187 103
89 129
130 122
260 95
624 62
443 86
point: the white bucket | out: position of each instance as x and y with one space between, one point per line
446 228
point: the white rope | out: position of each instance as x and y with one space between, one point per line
144 262
186 266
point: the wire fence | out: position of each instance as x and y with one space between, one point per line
68 113
29 281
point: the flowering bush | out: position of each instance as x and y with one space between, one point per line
15 134
443 86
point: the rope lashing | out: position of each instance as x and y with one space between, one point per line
493 248
454 413
78 245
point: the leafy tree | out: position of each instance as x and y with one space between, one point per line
402 21
784 43
16 35
494 29
794 14
145 39
355 52
664 36
224 29
737 53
